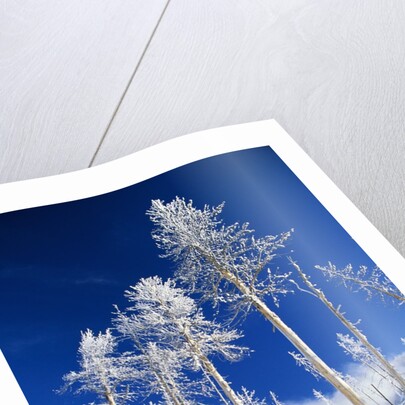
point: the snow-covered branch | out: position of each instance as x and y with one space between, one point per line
318 395
248 398
161 367
306 364
360 353
371 281
275 399
103 371
161 312
197 240
360 349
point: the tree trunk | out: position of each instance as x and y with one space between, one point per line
210 368
356 332
109 397
310 355
328 373
171 390
228 391
214 386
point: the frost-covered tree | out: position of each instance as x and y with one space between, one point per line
367 349
162 373
371 281
303 362
103 371
200 243
360 353
161 312
229 264
160 369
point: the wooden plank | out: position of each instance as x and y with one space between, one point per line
63 68
330 72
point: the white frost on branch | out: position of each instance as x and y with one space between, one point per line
355 349
162 373
360 353
102 371
248 398
307 365
275 399
361 348
365 379
161 368
366 391
371 281
165 313
161 312
199 241
319 396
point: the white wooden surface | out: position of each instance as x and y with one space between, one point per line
63 67
330 71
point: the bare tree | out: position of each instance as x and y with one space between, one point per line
228 264
360 353
102 371
371 281
385 366
160 369
163 313
365 391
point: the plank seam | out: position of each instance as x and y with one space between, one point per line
138 64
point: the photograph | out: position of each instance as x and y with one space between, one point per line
223 281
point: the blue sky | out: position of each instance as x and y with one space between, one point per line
62 267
